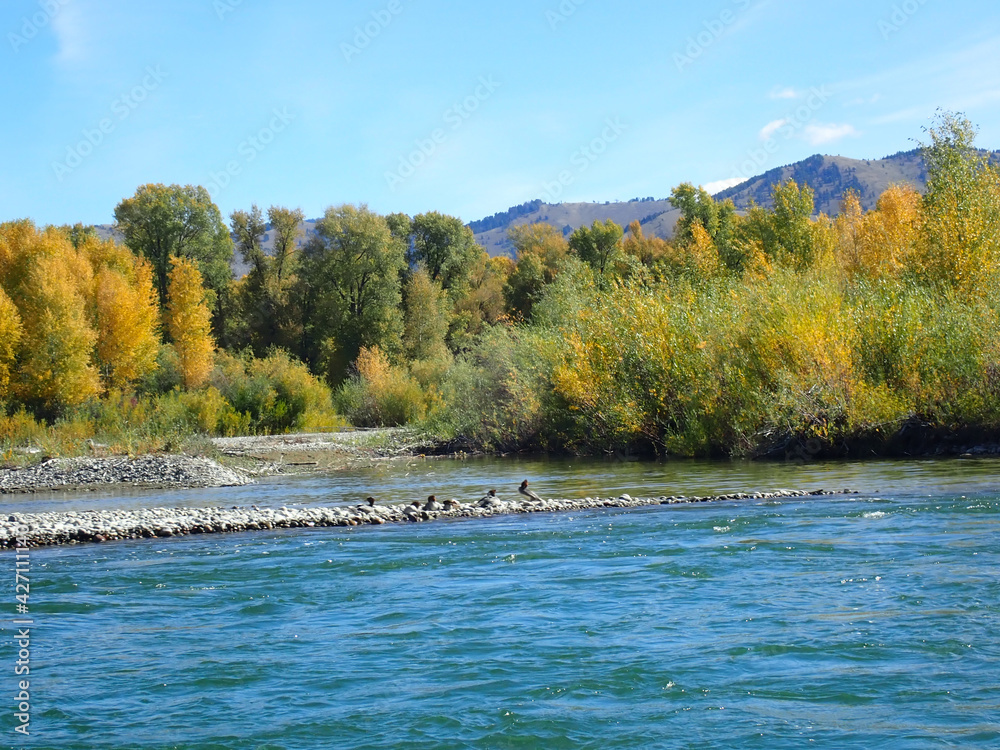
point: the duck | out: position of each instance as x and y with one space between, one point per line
523 489
433 504
371 502
489 499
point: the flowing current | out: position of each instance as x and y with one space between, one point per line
854 621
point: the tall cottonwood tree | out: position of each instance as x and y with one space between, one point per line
188 321
265 296
55 367
10 335
164 221
447 248
351 289
128 322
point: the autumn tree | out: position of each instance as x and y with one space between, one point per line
717 219
960 246
540 251
484 303
188 321
350 288
128 319
55 350
10 335
647 250
880 243
161 222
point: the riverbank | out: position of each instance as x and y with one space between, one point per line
223 462
51 529
143 472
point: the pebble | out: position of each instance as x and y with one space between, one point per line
57 528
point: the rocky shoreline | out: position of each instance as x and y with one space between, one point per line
143 472
48 529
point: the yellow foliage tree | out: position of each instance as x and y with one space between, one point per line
55 368
647 250
960 242
189 322
127 324
10 334
880 243
702 257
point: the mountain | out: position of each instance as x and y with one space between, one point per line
829 176
832 176
657 217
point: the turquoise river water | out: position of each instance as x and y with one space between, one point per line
862 621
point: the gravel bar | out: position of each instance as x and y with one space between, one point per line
46 529
146 472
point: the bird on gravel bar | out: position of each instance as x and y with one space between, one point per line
433 504
523 489
371 501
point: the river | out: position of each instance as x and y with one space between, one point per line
859 621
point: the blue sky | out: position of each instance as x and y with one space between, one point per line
466 108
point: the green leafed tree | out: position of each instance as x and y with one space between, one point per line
719 220
447 249
265 299
598 245
163 221
786 234
350 287
426 318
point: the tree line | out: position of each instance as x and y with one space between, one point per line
744 329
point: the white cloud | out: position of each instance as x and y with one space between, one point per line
68 25
818 134
713 188
783 92
771 128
